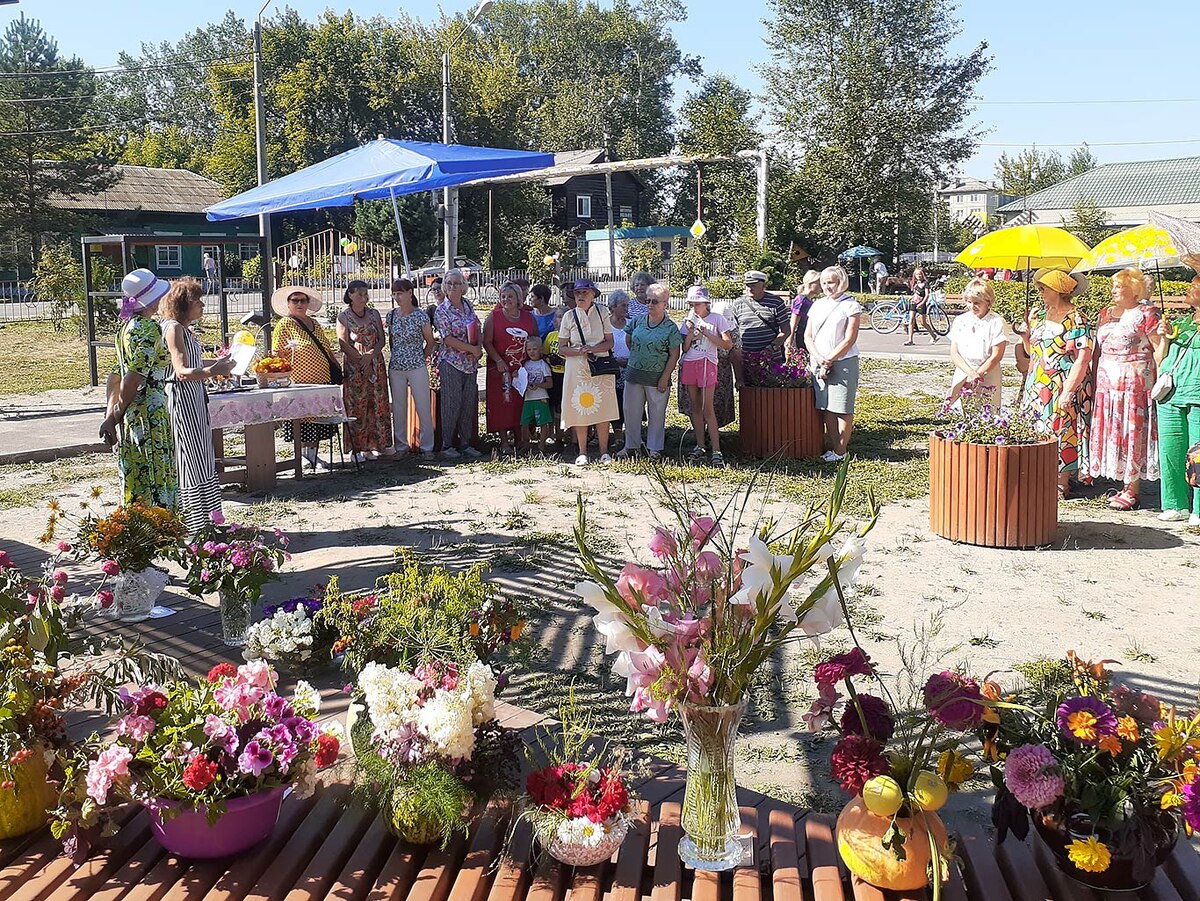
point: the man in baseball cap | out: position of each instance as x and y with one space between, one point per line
763 320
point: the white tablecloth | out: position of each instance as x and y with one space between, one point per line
260 405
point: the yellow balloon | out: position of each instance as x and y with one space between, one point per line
548 260
883 796
243 337
930 791
352 248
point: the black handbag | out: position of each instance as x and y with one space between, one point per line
597 366
336 375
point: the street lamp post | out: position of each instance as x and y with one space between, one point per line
260 148
450 195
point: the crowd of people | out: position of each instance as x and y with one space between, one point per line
1122 397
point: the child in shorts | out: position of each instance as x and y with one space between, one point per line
535 411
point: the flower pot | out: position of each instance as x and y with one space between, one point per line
23 807
246 822
1122 874
235 617
993 495
582 853
860 842
781 422
135 591
710 817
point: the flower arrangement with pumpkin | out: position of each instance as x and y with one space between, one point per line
1104 772
899 761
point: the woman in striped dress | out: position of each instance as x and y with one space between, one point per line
187 404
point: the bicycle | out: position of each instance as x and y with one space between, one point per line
889 315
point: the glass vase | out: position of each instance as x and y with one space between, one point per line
135 591
710 819
235 617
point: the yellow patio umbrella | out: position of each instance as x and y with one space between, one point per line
1137 246
1025 247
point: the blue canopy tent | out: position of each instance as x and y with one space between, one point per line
380 169
860 253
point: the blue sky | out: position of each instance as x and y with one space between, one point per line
1045 50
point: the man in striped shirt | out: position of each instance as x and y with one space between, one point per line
763 321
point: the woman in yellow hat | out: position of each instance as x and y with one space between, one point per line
1058 389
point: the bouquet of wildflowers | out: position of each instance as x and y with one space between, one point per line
233 558
288 633
767 370
130 538
976 417
697 626
428 745
197 745
1105 771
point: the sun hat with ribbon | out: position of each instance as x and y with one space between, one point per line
142 289
280 297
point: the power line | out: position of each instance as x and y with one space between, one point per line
1094 143
94 96
127 70
67 131
1084 102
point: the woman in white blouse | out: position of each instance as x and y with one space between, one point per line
832 340
978 341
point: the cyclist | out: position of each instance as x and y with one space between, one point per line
918 287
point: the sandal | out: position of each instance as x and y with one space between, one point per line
1123 500
697 454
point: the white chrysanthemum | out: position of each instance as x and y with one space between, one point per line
591 834
445 722
391 696
306 697
571 831
481 687
283 634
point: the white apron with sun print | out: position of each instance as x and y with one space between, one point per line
586 399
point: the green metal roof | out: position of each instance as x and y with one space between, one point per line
1146 183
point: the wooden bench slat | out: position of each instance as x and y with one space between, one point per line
1056 879
359 874
513 875
982 873
187 880
549 880
325 866
474 876
291 860
864 891
1021 872
664 840
706 886
587 883
13 849
666 785
1160 888
435 876
785 863
747 880
823 858
1183 866
37 855
134 872
631 858
399 873
62 880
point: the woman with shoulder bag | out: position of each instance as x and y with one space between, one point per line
1178 390
590 374
300 337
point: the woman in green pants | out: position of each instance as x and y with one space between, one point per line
1179 412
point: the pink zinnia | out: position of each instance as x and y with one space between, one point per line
954 700
1031 773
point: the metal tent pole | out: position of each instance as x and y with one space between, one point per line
400 229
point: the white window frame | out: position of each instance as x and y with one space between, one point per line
583 206
214 249
626 213
163 260
248 251
581 250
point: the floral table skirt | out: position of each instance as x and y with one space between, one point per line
262 405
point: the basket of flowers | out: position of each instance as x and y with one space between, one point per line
273 372
209 759
290 638
578 803
1104 772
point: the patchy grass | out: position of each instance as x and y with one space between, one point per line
983 641
31 484
35 358
1139 654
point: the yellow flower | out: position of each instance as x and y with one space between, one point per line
1127 728
96 491
954 768
1082 724
1171 799
54 505
1168 741
1090 855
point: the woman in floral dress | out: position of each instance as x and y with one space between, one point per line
365 391
505 332
1058 390
1124 435
137 402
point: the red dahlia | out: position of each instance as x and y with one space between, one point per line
856 759
327 750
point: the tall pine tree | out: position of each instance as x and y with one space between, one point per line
47 129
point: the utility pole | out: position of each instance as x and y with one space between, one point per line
260 147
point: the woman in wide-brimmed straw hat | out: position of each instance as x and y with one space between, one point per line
138 422
300 337
1058 389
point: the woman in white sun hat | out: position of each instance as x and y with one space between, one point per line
138 422
704 334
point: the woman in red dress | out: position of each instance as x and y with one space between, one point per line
505 332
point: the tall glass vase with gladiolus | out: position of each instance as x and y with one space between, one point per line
899 754
691 632
1104 772
235 561
47 670
209 759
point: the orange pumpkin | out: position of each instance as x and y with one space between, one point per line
860 842
23 808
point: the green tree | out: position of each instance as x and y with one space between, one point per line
1088 222
717 121
47 114
1080 161
876 100
1032 170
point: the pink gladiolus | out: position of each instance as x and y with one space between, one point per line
702 530
649 583
655 710
662 544
700 677
110 568
708 566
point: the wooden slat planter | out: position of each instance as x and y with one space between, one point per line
414 424
780 422
993 495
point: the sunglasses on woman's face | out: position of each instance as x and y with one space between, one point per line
304 300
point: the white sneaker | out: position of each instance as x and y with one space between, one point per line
451 454
581 460
469 451
1194 520
359 457
1173 515
832 457
605 459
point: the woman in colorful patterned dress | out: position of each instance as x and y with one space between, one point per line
505 331
364 343
1058 389
137 399
1124 435
301 338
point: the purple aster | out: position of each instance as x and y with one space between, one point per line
954 700
255 758
1086 720
1032 775
1191 805
876 715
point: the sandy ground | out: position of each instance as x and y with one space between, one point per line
1114 585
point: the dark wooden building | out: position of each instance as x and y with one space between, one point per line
579 203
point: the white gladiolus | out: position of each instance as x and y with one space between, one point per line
762 572
593 596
